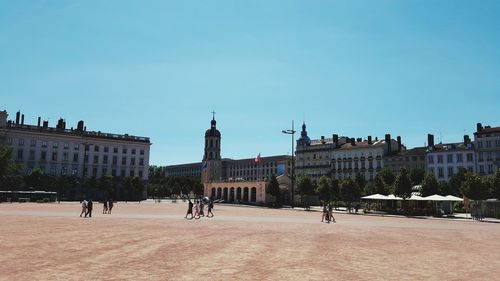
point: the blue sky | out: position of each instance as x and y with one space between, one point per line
158 68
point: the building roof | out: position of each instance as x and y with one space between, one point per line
443 147
488 131
73 132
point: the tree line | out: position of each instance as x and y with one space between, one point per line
350 190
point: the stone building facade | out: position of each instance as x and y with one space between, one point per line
487 140
60 151
343 157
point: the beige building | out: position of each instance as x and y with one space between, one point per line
487 140
343 157
406 159
235 180
254 192
60 151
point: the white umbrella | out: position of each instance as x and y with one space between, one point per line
375 197
392 197
454 198
415 197
436 197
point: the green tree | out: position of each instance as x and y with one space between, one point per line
137 187
402 186
388 176
350 192
106 186
273 189
324 188
9 170
474 188
305 187
430 185
455 182
495 188
417 176
335 191
360 180
34 179
380 186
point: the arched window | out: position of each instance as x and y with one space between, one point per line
211 143
253 195
245 194
211 155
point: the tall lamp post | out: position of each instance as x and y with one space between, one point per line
292 132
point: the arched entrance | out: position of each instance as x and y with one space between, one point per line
231 194
219 193
245 194
238 194
213 193
225 194
253 195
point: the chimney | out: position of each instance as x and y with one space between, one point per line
388 141
359 139
323 139
335 140
369 139
376 138
479 127
39 120
353 142
18 115
430 140
466 140
45 124
22 119
399 143
79 127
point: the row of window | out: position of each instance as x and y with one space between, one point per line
450 158
65 157
487 144
489 156
244 173
254 166
451 171
73 171
76 146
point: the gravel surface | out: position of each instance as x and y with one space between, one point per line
155 242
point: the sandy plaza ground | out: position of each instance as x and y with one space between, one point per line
151 241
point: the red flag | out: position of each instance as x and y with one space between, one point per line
257 159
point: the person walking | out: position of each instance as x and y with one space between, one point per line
84 207
197 209
110 205
105 207
324 215
89 208
330 212
210 207
190 209
202 207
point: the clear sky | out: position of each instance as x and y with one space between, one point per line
158 68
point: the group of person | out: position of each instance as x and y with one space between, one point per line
87 206
327 213
199 209
107 206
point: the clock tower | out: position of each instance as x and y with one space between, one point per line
212 164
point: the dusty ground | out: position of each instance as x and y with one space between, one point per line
154 242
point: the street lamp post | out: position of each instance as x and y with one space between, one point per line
292 132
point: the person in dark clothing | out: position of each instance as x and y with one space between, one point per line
210 207
110 206
89 209
105 207
190 209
